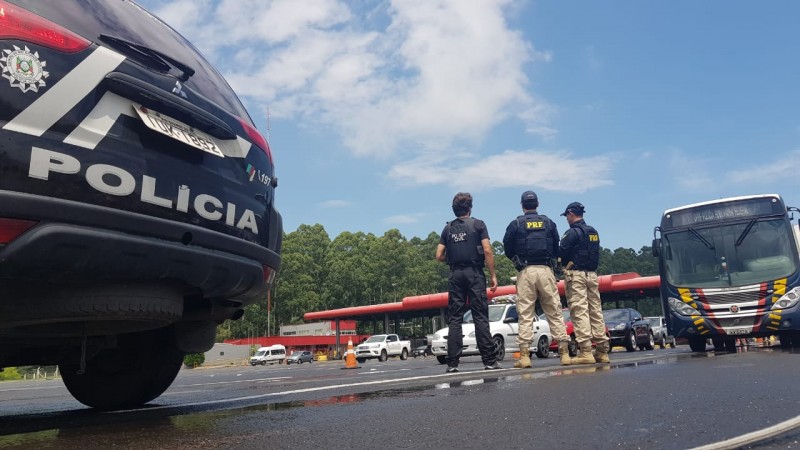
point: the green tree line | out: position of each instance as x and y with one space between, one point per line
356 269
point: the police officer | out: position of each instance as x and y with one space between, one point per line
464 245
531 243
580 254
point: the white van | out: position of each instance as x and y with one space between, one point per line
269 355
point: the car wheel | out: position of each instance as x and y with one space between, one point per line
383 356
361 360
630 344
573 347
404 355
543 348
662 344
672 343
441 359
499 348
650 345
263 363
697 344
139 369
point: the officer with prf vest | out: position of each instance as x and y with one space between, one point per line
531 243
580 255
464 245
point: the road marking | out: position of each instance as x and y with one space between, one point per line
375 371
755 436
232 382
301 391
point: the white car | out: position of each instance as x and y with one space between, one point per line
504 329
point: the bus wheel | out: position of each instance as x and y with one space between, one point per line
697 344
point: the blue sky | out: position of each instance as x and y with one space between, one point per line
380 111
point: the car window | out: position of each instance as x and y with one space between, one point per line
635 315
512 313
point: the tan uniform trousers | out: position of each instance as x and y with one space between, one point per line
585 309
538 283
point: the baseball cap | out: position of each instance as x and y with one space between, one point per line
575 208
529 196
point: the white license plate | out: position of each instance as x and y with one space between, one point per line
178 130
737 330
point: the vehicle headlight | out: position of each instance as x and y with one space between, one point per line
788 299
472 335
619 326
682 308
376 346
437 337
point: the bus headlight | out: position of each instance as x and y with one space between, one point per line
471 335
788 299
681 307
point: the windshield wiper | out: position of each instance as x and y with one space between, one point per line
745 232
704 240
150 57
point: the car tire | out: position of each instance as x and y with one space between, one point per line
662 344
383 357
95 310
650 345
697 344
630 343
139 369
672 343
404 355
499 348
573 346
361 360
441 359
543 347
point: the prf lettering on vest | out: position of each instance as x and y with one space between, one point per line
530 225
594 238
458 237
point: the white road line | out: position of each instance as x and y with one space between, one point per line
232 382
301 391
755 436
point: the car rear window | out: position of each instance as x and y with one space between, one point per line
127 20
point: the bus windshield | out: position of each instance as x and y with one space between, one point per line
737 254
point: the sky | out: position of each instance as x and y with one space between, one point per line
379 112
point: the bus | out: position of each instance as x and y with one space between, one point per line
730 269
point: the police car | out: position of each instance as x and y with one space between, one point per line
136 198
504 328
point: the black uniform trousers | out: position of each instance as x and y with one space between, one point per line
467 290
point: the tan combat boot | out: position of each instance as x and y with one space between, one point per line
585 355
563 352
524 357
601 352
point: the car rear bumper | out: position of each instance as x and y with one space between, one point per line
75 242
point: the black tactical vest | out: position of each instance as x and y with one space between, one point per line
533 239
463 243
587 256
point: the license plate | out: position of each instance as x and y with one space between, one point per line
178 130
737 331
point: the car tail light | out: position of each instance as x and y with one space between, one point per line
10 229
269 274
19 23
257 138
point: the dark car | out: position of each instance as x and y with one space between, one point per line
629 329
422 350
299 357
136 199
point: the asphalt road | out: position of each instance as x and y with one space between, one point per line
670 399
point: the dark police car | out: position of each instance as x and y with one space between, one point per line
136 198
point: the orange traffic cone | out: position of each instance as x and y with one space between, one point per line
350 356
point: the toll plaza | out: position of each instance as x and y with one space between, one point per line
614 288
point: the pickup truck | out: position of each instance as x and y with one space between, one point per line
382 346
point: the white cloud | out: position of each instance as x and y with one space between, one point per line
431 75
690 171
766 173
556 171
403 219
335 204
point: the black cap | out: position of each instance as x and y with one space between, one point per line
574 207
529 196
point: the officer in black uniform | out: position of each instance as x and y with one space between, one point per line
531 243
464 245
580 255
